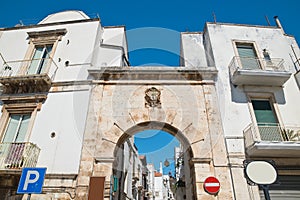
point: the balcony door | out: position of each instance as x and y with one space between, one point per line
40 59
248 56
16 128
267 121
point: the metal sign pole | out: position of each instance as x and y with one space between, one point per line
266 191
29 196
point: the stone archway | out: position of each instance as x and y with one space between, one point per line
118 166
181 101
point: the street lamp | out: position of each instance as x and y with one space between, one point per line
166 163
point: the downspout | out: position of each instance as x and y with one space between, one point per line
124 58
4 62
296 57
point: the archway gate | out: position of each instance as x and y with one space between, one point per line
181 101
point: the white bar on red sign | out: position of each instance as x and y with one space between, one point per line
212 184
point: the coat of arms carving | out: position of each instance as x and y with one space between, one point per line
152 97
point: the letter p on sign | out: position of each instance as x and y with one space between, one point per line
31 181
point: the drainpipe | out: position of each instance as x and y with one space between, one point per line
117 47
4 62
278 24
297 59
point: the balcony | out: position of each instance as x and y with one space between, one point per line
14 156
255 71
272 140
27 76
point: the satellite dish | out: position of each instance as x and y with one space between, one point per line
261 172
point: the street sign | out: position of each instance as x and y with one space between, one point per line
260 172
31 181
212 185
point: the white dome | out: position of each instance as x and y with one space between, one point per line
70 15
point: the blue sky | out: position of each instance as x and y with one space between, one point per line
175 15
169 17
157 146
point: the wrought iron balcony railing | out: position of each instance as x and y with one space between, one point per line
18 155
258 64
255 71
28 67
271 132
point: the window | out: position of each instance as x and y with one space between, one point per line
16 128
266 120
17 121
42 45
248 56
40 59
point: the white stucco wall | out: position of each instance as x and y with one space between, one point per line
11 41
65 109
192 50
233 101
151 183
76 47
158 187
109 53
69 15
80 47
63 113
216 45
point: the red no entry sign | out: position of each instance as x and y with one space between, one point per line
211 185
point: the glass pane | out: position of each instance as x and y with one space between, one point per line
23 128
45 59
48 49
12 128
35 63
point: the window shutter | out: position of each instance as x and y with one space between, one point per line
248 57
264 113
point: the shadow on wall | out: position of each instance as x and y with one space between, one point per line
239 93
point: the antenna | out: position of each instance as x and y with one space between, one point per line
214 16
267 19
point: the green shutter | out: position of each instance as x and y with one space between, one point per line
266 120
248 57
264 113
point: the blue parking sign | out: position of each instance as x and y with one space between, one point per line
31 181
